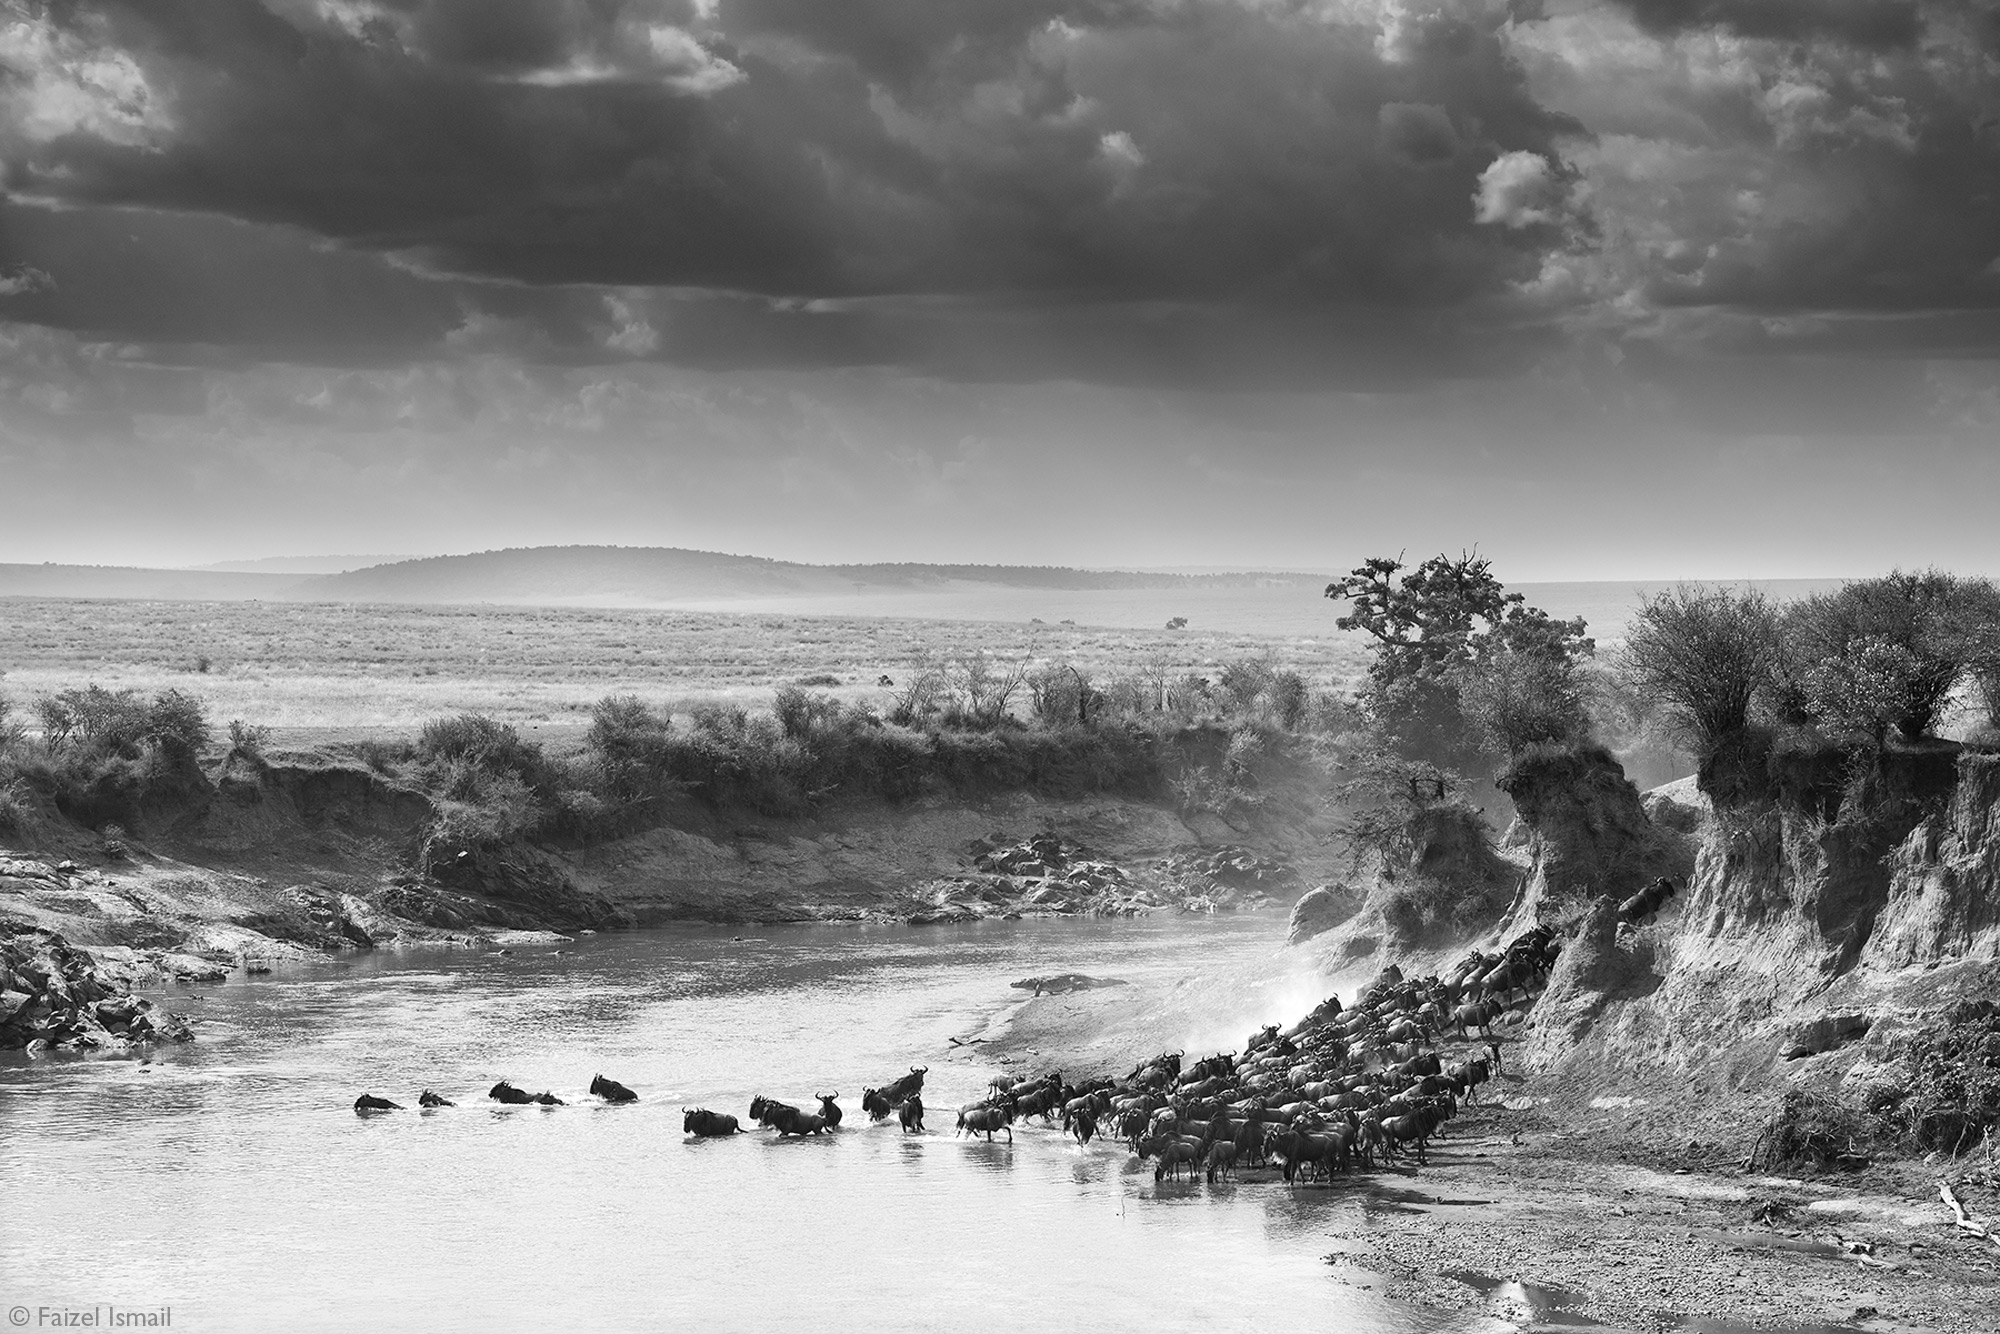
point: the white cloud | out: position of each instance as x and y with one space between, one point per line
1118 149
633 334
54 83
1520 189
23 279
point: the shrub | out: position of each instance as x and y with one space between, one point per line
248 738
481 740
922 694
1289 700
96 720
1515 701
801 712
17 806
1704 654
1059 695
1886 653
13 734
629 744
1816 1128
177 726
384 756
1952 1101
1241 682
980 693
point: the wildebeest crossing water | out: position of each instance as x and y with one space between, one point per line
231 1179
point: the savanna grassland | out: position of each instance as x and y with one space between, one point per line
322 671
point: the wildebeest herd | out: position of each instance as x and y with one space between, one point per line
1357 1085
1345 1086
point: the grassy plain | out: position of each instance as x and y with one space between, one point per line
322 672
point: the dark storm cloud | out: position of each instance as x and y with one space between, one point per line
1874 24
1779 178
1272 192
138 276
1083 146
906 42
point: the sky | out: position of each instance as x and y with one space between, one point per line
1625 289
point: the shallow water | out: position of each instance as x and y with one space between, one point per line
232 1181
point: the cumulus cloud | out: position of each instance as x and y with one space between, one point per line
1521 189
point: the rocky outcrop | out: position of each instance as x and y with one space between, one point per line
1589 831
1047 875
1942 899
1679 807
53 994
1226 879
1319 911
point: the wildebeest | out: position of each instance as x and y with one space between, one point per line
704 1124
912 1115
611 1090
829 1110
785 1118
986 1120
368 1102
430 1099
1221 1158
1080 1122
507 1093
1647 901
1175 1152
878 1103
1475 1014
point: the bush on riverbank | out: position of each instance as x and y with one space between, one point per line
943 734
101 756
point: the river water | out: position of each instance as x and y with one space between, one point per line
230 1179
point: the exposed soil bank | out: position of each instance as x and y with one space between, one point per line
253 860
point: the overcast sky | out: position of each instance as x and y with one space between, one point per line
1625 289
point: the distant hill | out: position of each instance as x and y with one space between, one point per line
303 564
1279 603
667 576
125 581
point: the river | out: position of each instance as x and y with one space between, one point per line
231 1181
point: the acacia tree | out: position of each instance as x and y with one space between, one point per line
1450 623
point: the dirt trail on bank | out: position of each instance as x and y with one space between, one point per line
1527 1225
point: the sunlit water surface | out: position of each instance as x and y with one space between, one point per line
231 1180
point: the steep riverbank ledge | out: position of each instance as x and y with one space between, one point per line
222 868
